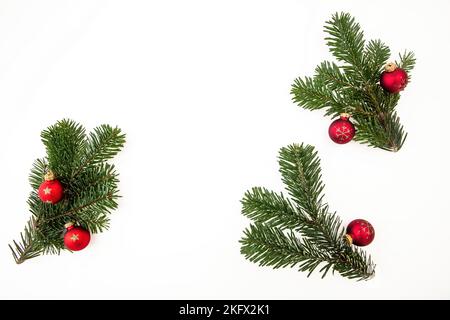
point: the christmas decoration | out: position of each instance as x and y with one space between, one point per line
76 238
360 233
393 79
51 190
354 86
300 231
342 130
80 163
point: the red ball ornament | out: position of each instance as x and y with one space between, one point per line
51 190
342 130
76 238
360 232
393 79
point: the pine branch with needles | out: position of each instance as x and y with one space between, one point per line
353 87
80 162
299 230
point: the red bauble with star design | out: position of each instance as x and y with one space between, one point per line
360 232
76 238
51 190
393 79
342 130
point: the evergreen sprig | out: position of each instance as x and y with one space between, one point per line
299 230
353 87
79 162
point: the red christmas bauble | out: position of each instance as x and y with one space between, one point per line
393 79
360 232
76 238
342 130
51 190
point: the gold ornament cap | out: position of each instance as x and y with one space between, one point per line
391 66
345 115
349 239
68 225
49 176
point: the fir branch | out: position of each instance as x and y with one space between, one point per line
40 167
329 74
306 234
104 203
270 208
376 54
271 247
300 171
64 142
407 62
90 186
26 249
102 174
353 87
346 42
313 94
44 233
103 144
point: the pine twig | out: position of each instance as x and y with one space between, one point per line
90 186
299 231
353 87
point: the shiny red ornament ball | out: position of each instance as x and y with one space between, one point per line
393 79
51 190
360 232
342 130
76 238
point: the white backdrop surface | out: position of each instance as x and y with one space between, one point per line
202 90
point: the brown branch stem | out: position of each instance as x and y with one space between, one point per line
74 210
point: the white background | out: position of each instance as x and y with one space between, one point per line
202 90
